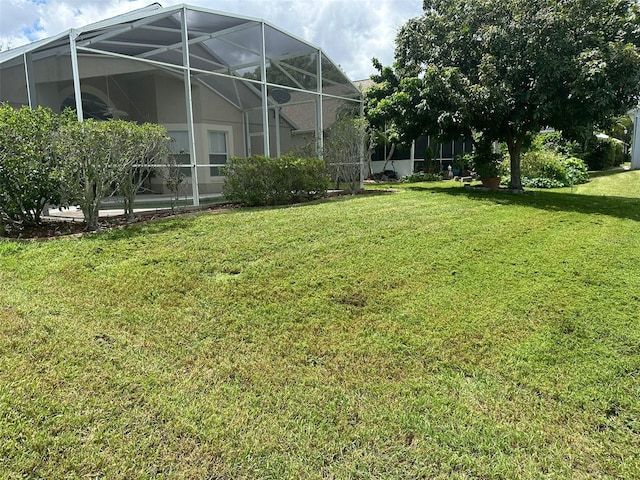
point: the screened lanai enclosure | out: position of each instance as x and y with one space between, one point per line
221 84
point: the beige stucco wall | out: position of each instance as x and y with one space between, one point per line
145 93
13 86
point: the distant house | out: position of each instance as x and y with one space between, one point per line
223 85
405 161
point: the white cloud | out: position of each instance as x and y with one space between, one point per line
351 32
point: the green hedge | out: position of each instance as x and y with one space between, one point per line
604 153
547 169
52 159
29 169
259 180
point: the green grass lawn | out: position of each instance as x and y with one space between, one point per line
437 332
617 182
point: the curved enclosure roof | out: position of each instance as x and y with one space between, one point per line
232 55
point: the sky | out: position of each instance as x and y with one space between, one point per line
351 32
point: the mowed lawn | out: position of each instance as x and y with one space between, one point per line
431 333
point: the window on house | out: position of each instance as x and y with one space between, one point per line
218 152
180 150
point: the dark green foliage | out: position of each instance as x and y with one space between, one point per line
507 68
421 177
47 158
274 181
29 168
549 169
484 160
604 153
538 182
554 142
576 171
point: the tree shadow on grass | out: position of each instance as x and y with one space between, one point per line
619 207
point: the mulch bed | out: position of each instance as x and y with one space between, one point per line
49 229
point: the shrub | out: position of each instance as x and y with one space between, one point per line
29 169
96 158
146 146
485 161
261 180
576 171
554 142
538 182
548 169
421 177
343 148
604 153
542 163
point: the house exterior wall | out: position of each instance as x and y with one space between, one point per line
210 108
13 86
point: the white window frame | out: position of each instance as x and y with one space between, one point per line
214 168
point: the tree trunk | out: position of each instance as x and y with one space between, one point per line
515 149
389 155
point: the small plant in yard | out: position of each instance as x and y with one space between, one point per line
343 151
541 182
173 179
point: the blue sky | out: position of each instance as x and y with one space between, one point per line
350 31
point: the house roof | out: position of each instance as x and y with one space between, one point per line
365 84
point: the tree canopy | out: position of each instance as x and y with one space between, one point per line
502 69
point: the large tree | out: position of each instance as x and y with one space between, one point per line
507 68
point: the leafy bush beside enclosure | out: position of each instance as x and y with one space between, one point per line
29 169
147 146
51 159
598 153
259 180
555 142
102 158
343 148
